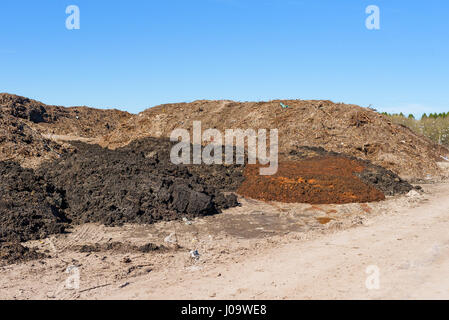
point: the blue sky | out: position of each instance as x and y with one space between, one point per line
136 54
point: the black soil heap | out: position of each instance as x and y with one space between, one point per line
30 207
137 184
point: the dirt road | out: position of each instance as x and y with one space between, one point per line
257 251
409 249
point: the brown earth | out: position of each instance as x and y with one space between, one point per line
32 132
22 143
314 181
79 121
117 247
316 176
13 252
373 175
343 128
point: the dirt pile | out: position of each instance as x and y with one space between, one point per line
386 181
316 181
135 184
32 132
349 129
224 178
316 176
75 121
118 247
14 252
127 185
21 143
30 207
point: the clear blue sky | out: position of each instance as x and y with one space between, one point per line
139 53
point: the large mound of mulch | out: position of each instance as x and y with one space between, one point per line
349 129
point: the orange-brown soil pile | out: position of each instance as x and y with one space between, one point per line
314 181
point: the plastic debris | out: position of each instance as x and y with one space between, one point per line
284 106
123 285
195 254
413 194
171 238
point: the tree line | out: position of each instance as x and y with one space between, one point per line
443 115
434 125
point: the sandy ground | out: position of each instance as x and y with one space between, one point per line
394 249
